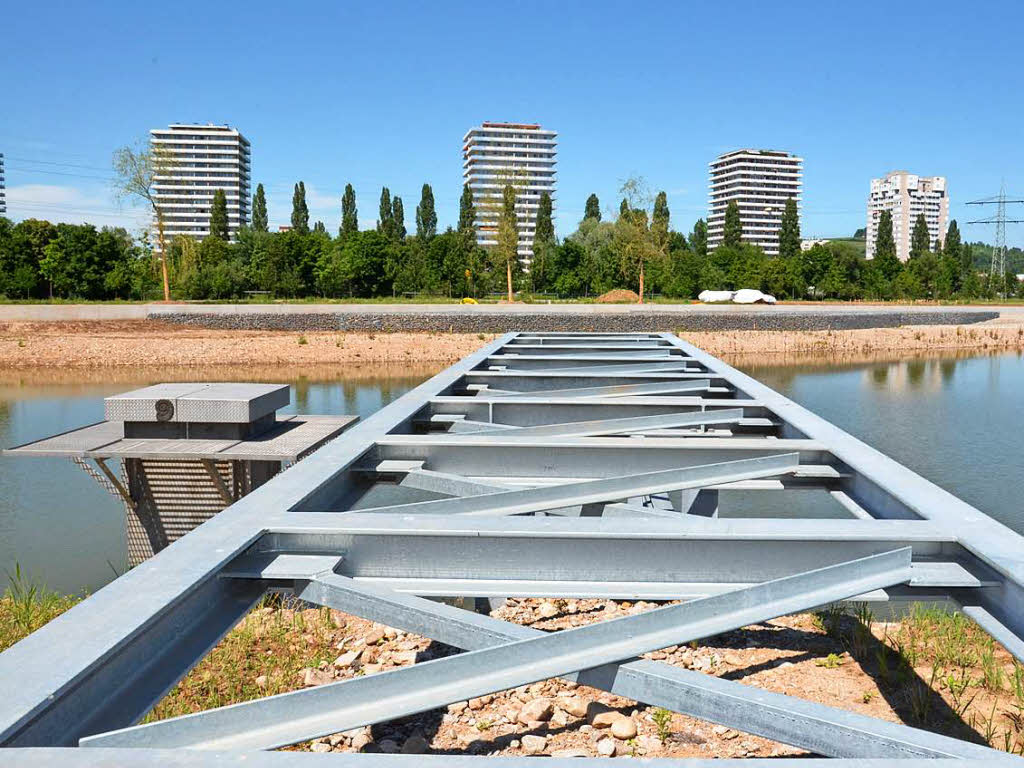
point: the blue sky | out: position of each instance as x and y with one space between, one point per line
382 93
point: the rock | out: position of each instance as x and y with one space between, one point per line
403 658
718 730
560 719
374 636
388 746
570 753
514 744
457 707
536 710
360 742
349 659
730 735
600 716
623 728
606 747
320 746
371 669
732 661
311 677
261 681
534 745
547 609
415 745
574 705
476 704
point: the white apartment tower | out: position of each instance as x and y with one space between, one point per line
906 196
760 181
200 160
3 194
497 154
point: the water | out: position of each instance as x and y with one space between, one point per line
959 421
58 525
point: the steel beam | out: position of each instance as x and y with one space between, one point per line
623 390
292 717
520 502
635 425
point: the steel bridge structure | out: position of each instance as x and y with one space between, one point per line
545 464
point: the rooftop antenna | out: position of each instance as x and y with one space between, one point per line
998 266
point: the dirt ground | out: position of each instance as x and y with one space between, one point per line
934 671
100 344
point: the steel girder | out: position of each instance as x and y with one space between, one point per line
569 507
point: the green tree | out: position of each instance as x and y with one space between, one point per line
319 228
398 219
135 173
885 258
732 232
660 221
545 228
634 240
952 244
789 231
219 215
260 222
467 211
699 238
355 267
592 210
349 214
506 252
919 243
385 220
426 216
300 211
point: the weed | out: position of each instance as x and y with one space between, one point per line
484 725
867 696
991 670
832 661
830 619
26 606
481 336
303 341
663 722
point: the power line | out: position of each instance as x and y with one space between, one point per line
998 266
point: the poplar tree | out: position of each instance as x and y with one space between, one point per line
732 231
506 252
349 214
300 212
919 237
385 222
467 210
593 208
545 229
623 208
398 218
260 222
885 248
951 246
659 220
219 215
319 228
426 216
789 231
699 238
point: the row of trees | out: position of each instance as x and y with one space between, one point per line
634 248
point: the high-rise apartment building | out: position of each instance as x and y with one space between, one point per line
197 161
3 188
760 181
906 196
520 154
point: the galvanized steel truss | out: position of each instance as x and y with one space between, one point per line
558 465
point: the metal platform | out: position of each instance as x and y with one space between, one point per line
544 464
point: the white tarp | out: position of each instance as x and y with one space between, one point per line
742 296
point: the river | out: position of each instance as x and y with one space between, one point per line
959 421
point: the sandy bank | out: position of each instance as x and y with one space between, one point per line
115 344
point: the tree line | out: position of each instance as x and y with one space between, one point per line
634 248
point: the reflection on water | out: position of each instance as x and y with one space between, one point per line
58 524
957 420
